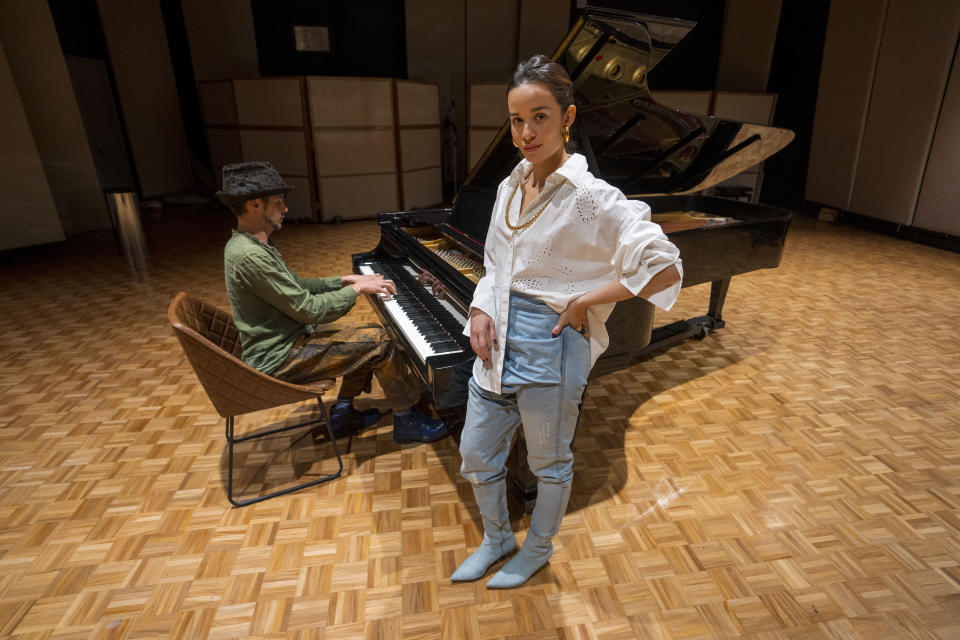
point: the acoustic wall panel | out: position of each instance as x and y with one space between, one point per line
217 102
478 142
136 40
27 210
543 23
417 103
345 152
351 197
271 102
285 150
488 105
221 38
419 148
225 147
746 51
916 53
745 107
488 112
262 119
850 53
299 201
422 188
350 102
938 208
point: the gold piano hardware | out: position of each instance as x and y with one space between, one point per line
449 251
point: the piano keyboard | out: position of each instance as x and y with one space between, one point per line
432 327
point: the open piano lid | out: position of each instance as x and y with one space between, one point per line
629 139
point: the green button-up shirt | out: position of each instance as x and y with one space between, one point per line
273 306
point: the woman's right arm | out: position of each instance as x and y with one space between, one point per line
483 333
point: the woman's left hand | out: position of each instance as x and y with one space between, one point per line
574 315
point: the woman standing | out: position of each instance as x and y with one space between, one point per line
562 248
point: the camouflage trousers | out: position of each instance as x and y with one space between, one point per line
354 351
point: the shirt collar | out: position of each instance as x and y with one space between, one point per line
573 170
269 245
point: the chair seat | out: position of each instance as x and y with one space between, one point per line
211 343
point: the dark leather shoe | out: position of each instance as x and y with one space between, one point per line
412 426
346 421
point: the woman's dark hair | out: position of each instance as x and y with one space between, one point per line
542 70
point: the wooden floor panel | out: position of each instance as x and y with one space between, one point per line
794 475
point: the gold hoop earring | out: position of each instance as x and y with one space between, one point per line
514 143
566 134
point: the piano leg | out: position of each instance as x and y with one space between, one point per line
718 293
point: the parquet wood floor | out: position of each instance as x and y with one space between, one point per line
795 475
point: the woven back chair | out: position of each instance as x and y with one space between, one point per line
211 343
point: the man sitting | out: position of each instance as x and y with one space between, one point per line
289 325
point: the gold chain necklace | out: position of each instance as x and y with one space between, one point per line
506 214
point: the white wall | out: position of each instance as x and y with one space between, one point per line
137 42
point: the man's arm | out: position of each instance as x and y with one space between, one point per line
285 292
321 285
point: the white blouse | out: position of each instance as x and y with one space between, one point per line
588 236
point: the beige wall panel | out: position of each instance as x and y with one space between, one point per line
916 54
217 103
488 104
939 206
422 188
273 102
543 24
419 148
46 93
357 196
337 102
491 32
285 150
221 38
436 52
298 200
140 58
697 102
846 79
358 151
417 103
745 107
27 211
480 139
749 35
225 148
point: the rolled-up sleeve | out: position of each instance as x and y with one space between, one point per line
643 251
285 292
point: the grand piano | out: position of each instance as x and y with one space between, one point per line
649 151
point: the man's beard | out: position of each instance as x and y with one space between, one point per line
276 225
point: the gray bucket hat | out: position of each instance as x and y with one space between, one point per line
247 180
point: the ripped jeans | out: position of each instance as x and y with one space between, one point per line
542 386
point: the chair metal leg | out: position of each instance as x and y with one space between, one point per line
231 440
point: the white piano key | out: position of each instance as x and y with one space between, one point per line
405 325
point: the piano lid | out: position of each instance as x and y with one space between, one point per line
629 139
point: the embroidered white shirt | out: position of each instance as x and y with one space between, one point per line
588 236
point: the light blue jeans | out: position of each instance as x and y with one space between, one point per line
542 385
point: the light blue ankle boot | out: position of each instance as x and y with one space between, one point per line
498 538
538 547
